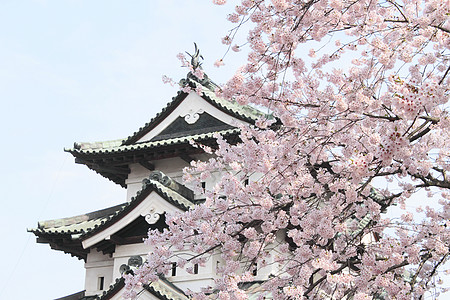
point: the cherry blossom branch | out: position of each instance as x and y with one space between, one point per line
399 10
417 133
429 181
441 28
445 75
389 118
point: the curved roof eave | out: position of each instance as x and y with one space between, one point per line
87 225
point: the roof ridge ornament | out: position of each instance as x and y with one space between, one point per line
195 58
196 64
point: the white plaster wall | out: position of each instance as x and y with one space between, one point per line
172 167
98 265
195 282
134 181
183 279
124 252
207 274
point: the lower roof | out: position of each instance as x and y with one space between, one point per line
77 296
67 234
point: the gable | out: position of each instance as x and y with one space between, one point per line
191 110
180 127
209 102
137 230
151 208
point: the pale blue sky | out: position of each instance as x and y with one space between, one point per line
80 71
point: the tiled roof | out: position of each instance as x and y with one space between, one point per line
254 290
162 289
170 195
77 296
364 221
111 159
98 145
166 289
244 113
83 226
111 147
78 224
112 290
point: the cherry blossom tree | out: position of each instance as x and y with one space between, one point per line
358 95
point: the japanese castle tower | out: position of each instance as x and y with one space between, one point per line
148 164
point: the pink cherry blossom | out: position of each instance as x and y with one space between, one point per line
356 96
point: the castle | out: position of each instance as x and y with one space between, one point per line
148 164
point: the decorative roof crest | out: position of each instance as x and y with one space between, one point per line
195 58
197 65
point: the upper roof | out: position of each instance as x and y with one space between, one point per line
243 113
188 117
117 146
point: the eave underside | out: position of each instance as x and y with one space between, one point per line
134 233
115 165
64 243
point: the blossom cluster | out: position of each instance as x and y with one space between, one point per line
368 105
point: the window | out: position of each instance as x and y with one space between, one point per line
254 269
196 269
101 283
217 266
174 269
203 186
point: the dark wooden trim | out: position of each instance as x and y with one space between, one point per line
148 165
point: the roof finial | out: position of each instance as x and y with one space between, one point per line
197 65
195 58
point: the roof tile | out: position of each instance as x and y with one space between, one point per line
88 224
